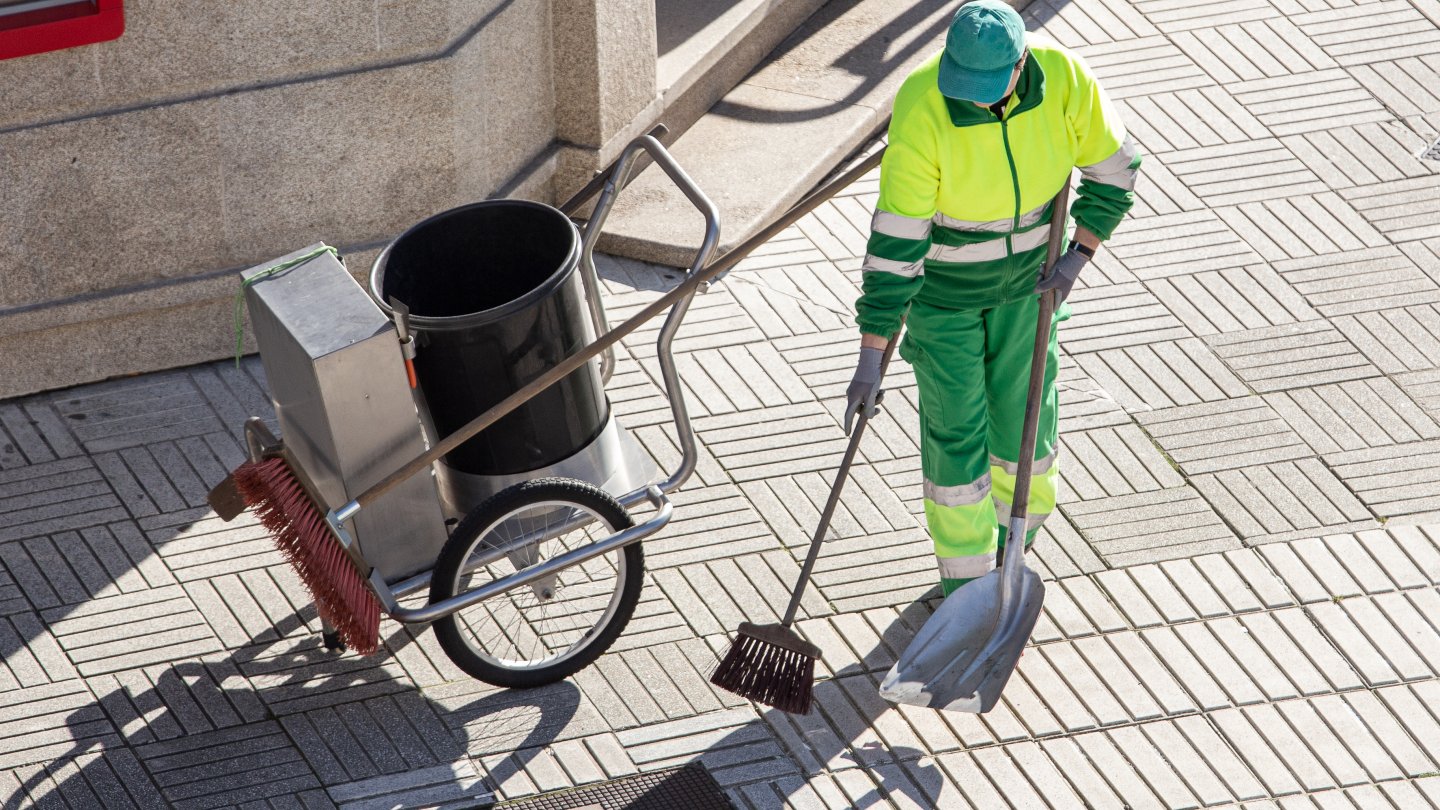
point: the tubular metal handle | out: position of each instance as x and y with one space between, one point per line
692 283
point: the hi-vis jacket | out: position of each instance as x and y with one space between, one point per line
964 209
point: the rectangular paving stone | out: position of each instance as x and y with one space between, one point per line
1112 671
1183 119
1056 695
1187 763
249 762
1408 83
1121 775
1237 775
1350 36
1270 171
1161 591
1395 481
1227 669
1270 636
1088 22
1349 156
1228 585
1327 568
1144 66
1149 527
1258 49
1114 461
1403 210
1256 752
1324 654
1300 227
1357 281
1263 582
1340 628
1399 340
1126 596
1286 105
1286 500
1354 415
1116 316
42 723
1322 742
1162 375
1202 687
131 630
1401 645
1349 550
1289 747
1232 300
1072 761
1380 744
1291 356
1223 435
1412 707
1182 243
1085 404
1196 590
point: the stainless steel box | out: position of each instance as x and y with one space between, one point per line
343 400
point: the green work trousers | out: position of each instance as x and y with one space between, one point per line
973 371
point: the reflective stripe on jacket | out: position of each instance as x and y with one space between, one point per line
964 195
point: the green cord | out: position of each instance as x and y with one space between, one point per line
263 274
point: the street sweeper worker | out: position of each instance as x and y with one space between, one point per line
983 135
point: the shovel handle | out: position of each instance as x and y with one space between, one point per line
841 474
1020 504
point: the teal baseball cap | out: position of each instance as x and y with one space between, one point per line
985 42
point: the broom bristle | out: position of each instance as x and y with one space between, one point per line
767 673
300 532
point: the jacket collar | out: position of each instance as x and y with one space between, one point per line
1029 92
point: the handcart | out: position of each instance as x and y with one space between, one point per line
544 567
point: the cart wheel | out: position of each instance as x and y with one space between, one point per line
551 628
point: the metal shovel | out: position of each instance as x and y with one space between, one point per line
964 655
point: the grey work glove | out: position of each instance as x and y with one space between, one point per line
864 390
1062 276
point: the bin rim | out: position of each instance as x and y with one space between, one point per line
470 319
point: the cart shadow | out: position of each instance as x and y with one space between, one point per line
187 707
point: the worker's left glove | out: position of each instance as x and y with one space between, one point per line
1062 276
864 391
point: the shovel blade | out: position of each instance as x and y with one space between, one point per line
964 655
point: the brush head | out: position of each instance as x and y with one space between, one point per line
770 664
285 509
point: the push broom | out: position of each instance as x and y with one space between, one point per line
314 539
770 663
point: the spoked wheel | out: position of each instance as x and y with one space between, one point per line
549 629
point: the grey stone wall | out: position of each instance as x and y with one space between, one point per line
139 174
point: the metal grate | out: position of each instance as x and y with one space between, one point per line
690 787
1433 152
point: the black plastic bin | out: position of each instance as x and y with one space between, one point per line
495 301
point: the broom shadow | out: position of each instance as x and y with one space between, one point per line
819 744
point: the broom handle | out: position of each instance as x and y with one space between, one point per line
585 355
834 499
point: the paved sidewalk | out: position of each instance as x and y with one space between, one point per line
1244 605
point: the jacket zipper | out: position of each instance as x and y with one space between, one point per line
1015 223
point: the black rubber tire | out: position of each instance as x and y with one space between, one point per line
445 577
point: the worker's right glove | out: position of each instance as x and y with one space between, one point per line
1063 274
864 390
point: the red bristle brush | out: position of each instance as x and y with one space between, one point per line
287 511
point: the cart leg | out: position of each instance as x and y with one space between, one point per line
331 637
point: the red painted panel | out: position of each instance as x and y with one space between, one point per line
66 25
